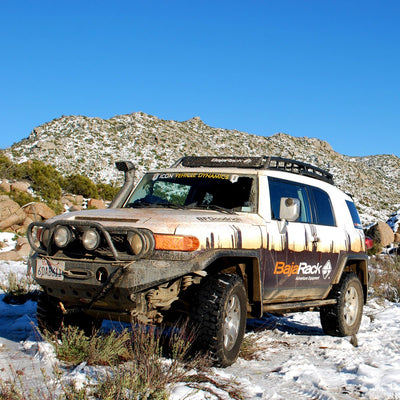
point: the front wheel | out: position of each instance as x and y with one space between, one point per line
219 316
344 317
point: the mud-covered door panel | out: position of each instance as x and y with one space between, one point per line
300 265
303 268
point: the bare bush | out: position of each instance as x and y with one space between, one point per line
386 272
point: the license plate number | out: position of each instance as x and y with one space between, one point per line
50 269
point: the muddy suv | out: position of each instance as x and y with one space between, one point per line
214 239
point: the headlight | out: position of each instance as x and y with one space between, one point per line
136 243
140 242
62 236
91 239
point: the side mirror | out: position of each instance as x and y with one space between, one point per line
289 209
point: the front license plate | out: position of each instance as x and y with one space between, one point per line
50 269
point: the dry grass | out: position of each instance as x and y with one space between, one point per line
386 272
75 347
17 286
136 367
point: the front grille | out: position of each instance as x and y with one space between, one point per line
120 244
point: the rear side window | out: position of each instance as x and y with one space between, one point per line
354 214
323 214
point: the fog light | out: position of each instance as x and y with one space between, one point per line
91 239
62 236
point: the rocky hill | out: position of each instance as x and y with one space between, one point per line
90 146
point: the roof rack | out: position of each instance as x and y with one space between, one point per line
261 162
298 167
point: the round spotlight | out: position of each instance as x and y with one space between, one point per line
136 242
141 242
91 239
62 236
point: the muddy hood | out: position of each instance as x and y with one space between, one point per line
213 228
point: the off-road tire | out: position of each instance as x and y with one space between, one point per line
51 319
219 317
344 318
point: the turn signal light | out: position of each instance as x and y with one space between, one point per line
176 242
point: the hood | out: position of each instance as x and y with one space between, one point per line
205 224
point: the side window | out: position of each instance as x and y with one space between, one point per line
323 214
354 214
279 188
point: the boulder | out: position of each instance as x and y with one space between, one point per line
79 199
12 255
70 199
5 186
14 219
76 208
381 233
94 203
66 201
39 211
22 247
7 207
27 221
20 187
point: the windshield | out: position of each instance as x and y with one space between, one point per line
218 191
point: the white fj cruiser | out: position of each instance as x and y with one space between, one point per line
215 239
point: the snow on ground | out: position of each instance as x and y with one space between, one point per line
294 361
7 241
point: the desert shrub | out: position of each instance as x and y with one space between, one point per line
375 249
48 184
5 165
386 271
22 198
144 374
43 178
106 191
48 189
100 349
79 184
9 390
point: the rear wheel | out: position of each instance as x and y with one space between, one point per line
344 317
50 317
219 315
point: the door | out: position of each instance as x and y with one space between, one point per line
302 268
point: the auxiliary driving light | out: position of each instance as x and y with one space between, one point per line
62 236
91 239
137 243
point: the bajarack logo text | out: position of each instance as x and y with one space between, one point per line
304 271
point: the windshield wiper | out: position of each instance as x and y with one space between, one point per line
172 205
215 207
142 203
138 204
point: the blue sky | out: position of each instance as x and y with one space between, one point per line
316 68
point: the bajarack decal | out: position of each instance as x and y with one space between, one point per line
304 271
